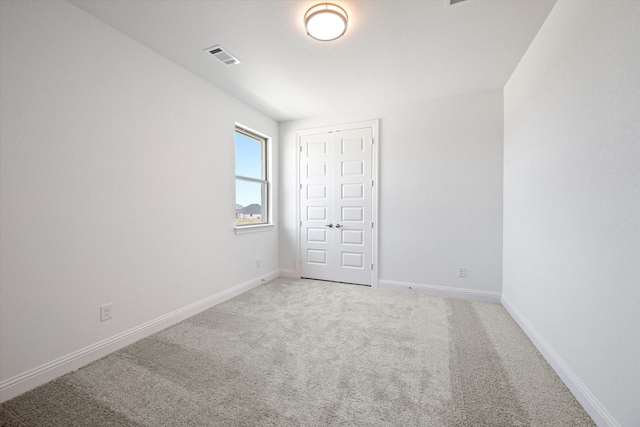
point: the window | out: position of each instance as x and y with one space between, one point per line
252 184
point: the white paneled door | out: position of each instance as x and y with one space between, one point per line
336 205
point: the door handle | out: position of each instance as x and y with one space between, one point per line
329 225
338 226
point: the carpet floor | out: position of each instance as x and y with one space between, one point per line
311 353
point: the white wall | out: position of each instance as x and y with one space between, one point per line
572 201
440 193
117 186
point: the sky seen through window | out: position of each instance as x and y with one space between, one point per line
249 164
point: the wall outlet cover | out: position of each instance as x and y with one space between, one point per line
105 312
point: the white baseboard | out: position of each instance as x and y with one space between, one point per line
33 378
589 402
289 273
441 291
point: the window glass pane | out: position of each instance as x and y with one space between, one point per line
249 161
250 202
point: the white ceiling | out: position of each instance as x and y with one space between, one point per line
394 51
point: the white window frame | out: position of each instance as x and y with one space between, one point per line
267 164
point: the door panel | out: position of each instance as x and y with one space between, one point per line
316 192
352 237
353 204
336 206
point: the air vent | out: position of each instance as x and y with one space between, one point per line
222 55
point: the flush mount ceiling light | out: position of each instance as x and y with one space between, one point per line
325 22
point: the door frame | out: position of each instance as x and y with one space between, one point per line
374 125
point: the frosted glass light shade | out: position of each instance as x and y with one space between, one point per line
326 22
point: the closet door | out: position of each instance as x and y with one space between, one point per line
317 237
352 205
336 205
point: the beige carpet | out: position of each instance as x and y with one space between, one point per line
311 353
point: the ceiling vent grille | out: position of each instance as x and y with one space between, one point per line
222 55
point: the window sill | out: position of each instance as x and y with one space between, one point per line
247 229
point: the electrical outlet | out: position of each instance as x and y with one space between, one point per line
258 263
105 312
462 271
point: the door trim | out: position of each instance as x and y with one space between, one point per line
374 125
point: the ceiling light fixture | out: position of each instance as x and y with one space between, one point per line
326 22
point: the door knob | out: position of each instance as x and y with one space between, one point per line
329 225
338 226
